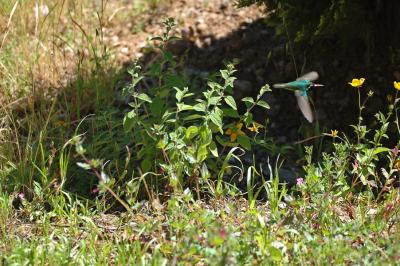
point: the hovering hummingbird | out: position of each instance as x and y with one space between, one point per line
300 87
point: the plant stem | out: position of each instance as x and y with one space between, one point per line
359 116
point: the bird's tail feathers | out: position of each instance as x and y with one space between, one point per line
279 85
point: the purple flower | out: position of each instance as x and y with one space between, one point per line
95 190
395 151
222 233
355 166
300 181
21 195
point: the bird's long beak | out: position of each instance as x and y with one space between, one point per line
317 85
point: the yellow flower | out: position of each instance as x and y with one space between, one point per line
254 128
356 83
396 85
396 164
60 123
235 132
334 133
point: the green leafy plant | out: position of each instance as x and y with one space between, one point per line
365 164
176 136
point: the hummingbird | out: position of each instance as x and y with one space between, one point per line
300 87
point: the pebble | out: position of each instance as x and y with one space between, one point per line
125 50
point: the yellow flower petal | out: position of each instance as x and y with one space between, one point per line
356 83
234 136
254 128
396 85
334 133
234 132
239 126
397 164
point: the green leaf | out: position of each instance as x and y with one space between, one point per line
85 166
129 120
204 171
191 132
161 144
244 141
380 150
200 107
216 119
230 112
174 81
156 38
248 100
221 141
155 70
248 118
275 253
214 100
214 149
179 94
224 74
192 117
157 107
163 92
184 107
144 97
213 85
202 153
231 102
169 56
263 104
264 89
205 135
146 165
229 82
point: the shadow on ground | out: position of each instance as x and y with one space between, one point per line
264 58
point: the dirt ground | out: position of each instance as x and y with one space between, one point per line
214 31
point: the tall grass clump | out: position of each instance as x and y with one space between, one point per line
55 69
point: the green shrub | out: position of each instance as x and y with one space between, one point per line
182 135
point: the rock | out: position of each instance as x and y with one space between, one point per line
125 50
201 26
208 41
224 5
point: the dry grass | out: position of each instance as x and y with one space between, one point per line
45 43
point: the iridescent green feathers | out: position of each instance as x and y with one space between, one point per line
300 87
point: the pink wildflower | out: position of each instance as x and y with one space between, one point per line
95 190
395 151
355 166
300 181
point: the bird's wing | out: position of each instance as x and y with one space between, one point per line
311 76
304 106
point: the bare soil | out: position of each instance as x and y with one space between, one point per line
215 31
